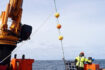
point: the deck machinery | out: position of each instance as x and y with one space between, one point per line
13 34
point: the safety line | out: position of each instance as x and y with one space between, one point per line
9 54
43 24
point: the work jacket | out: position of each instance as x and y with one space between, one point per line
80 61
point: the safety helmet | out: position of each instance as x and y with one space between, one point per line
82 53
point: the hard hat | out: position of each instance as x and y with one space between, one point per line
90 58
82 53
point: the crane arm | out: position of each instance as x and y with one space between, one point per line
13 11
10 35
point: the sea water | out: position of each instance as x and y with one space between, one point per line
58 64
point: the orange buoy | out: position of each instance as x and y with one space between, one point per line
60 37
57 15
58 26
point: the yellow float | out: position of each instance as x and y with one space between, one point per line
60 37
57 15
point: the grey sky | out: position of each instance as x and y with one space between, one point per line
83 28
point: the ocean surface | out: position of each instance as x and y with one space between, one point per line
58 64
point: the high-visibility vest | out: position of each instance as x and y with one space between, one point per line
80 61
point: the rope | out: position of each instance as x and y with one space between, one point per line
5 58
40 26
59 35
43 24
10 54
59 31
55 5
62 49
63 53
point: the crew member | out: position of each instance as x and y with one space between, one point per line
80 61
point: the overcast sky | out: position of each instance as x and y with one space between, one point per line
83 28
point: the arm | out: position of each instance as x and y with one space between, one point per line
89 61
75 60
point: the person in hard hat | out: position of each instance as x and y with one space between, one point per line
80 61
90 60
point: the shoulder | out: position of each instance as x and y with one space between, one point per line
84 57
77 57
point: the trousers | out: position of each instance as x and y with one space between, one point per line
79 68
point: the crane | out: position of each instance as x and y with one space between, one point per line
15 33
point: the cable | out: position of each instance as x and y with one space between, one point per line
42 25
59 30
44 22
57 16
8 55
55 5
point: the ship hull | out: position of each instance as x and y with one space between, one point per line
5 50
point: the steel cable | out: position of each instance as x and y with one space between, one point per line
63 55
